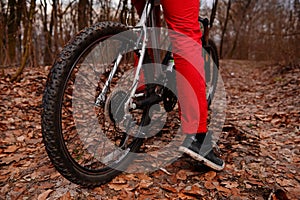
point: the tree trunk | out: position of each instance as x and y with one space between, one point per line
213 13
224 28
241 23
54 25
47 36
12 30
21 5
2 32
91 12
124 12
82 14
132 15
28 42
118 9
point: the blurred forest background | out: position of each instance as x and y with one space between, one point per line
33 31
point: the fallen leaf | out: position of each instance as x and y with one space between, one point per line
223 189
145 184
131 185
181 175
194 190
210 175
118 180
125 194
264 118
3 178
44 195
235 191
9 159
284 182
11 149
117 187
254 182
130 177
66 196
21 138
143 177
276 121
230 184
46 185
208 185
168 188
182 195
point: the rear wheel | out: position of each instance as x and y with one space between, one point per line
211 66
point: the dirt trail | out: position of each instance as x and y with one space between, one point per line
260 144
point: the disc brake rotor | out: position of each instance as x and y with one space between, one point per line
114 106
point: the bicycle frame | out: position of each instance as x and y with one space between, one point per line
141 25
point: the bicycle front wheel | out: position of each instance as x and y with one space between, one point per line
83 105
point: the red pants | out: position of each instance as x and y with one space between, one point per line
182 17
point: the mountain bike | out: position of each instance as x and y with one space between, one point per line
101 94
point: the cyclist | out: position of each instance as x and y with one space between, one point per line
182 17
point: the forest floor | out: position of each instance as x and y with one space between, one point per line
260 144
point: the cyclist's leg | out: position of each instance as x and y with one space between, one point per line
139 5
182 16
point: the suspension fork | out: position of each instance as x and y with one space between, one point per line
136 79
150 12
102 96
141 25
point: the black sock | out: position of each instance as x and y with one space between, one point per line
200 137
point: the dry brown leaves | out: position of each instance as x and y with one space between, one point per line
260 144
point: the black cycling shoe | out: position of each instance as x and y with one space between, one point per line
202 151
